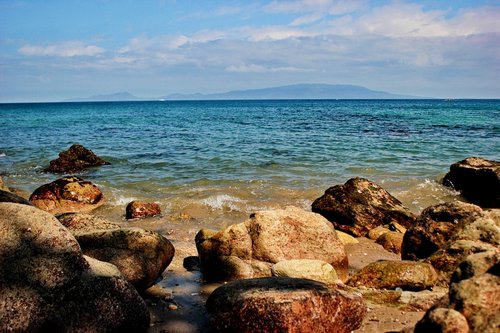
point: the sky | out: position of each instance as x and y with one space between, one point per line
57 50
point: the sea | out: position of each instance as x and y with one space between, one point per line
212 163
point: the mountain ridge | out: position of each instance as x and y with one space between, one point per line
294 91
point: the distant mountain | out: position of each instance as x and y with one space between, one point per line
297 91
117 97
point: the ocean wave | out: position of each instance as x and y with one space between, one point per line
2 155
223 201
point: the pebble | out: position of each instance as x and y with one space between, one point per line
172 307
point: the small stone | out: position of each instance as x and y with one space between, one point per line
172 307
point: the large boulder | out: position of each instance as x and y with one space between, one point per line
361 205
477 179
435 226
249 249
48 285
138 209
75 159
140 255
389 274
284 305
68 194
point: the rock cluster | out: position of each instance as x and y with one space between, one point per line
48 285
251 248
75 159
361 205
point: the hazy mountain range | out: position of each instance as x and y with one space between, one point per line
296 91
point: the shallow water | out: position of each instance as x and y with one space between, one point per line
211 163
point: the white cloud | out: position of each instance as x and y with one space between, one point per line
66 49
253 68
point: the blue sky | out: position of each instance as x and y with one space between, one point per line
54 50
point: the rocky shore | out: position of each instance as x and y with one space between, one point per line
358 261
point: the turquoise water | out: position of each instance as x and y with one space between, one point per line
219 160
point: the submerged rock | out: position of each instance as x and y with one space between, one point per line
139 209
140 255
361 205
249 249
284 305
388 274
48 285
75 159
477 179
435 226
68 194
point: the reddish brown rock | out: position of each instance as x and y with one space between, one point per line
139 209
435 226
76 158
388 274
68 194
477 179
284 305
361 205
249 249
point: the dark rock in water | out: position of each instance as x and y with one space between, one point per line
434 228
48 285
11 197
66 195
388 274
140 255
284 305
139 209
75 159
477 179
361 205
251 248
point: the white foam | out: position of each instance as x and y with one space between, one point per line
2 155
222 201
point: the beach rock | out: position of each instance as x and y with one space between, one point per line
435 226
3 186
284 305
68 194
140 255
316 270
391 241
442 320
481 235
7 196
475 264
478 299
47 285
139 209
375 233
346 238
361 205
477 179
388 274
446 260
249 249
75 159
